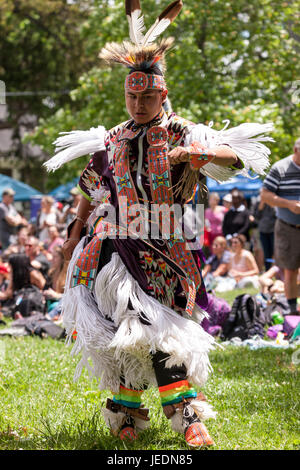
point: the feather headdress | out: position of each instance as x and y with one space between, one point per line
142 53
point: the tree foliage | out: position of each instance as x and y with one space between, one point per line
40 50
235 60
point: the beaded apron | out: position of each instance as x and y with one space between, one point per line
161 191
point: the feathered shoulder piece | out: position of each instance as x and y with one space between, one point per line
74 144
142 52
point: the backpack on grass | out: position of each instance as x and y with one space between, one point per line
28 300
44 328
245 319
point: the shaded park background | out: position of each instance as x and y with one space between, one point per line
235 60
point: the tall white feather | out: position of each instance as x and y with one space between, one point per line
136 27
246 140
75 144
156 30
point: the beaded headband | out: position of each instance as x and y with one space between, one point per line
140 81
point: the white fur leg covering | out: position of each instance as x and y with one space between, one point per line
141 424
176 422
203 410
115 420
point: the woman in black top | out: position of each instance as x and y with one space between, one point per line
23 276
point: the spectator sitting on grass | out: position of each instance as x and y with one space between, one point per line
19 245
55 288
48 216
236 220
217 264
4 277
227 201
4 283
272 281
214 214
9 218
70 210
242 266
23 275
54 239
37 255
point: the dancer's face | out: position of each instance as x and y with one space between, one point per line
144 106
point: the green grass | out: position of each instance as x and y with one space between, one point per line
256 395
229 296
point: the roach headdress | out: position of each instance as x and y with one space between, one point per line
144 57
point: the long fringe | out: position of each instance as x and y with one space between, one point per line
94 336
186 184
182 339
111 336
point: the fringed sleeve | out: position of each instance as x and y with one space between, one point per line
246 140
76 144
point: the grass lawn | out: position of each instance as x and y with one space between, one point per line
256 394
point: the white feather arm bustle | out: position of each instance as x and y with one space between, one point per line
246 140
74 144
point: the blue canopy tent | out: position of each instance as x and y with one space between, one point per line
62 192
250 187
23 191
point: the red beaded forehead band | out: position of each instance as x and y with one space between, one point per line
140 81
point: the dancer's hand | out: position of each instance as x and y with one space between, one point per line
196 154
179 155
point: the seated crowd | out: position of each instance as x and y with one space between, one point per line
239 246
235 257
31 260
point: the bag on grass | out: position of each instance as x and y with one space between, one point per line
245 319
38 325
45 328
28 300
